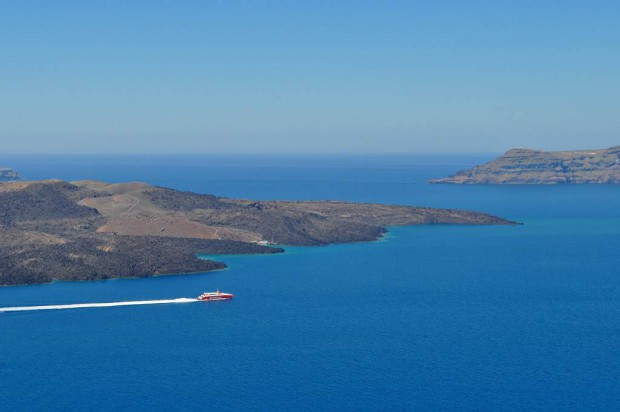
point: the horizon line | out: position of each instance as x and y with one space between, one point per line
275 154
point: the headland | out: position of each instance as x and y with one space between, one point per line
526 166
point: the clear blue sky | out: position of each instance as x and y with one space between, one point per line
308 76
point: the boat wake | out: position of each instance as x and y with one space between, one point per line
97 305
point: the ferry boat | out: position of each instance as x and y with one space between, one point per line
215 296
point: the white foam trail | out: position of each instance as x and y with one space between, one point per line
97 305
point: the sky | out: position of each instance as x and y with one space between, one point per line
308 76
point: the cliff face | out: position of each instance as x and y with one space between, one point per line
525 166
93 230
7 175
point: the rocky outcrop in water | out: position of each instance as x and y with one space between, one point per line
525 166
8 175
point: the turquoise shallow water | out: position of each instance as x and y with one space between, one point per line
431 317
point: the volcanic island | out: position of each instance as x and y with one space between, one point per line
90 230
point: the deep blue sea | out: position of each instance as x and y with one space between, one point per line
447 318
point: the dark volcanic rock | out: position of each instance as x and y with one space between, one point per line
171 199
40 201
105 257
524 166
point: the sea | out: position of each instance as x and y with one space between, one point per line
428 318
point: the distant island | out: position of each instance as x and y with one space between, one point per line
7 175
525 166
87 230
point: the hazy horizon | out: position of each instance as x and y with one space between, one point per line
275 154
35 152
317 77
